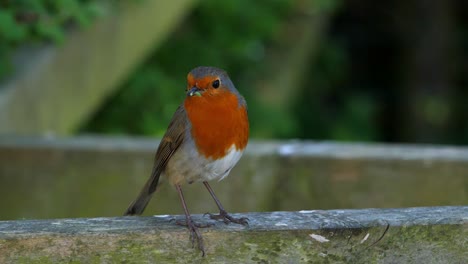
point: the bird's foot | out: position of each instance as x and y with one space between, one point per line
195 233
226 218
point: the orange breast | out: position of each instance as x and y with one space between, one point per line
217 123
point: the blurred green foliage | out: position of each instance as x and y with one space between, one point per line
357 85
230 34
378 72
326 110
35 21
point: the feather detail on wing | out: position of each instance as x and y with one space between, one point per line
169 144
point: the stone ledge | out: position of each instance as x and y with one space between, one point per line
415 235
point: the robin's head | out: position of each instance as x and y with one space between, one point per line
217 113
208 81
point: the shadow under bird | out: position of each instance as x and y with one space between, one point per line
205 139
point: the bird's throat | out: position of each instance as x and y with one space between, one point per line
217 123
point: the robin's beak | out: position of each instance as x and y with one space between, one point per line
194 91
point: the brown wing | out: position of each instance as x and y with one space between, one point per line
169 144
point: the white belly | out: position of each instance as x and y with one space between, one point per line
186 165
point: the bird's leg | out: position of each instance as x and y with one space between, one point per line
223 215
192 226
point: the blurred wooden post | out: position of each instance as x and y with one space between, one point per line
285 69
57 88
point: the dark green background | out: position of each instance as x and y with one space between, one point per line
390 71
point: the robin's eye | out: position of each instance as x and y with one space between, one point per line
215 84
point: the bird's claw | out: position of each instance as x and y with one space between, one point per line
226 218
194 233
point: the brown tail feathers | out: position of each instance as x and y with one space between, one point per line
138 206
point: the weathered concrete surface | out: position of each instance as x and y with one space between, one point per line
416 235
56 88
99 176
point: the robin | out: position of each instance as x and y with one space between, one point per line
205 139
